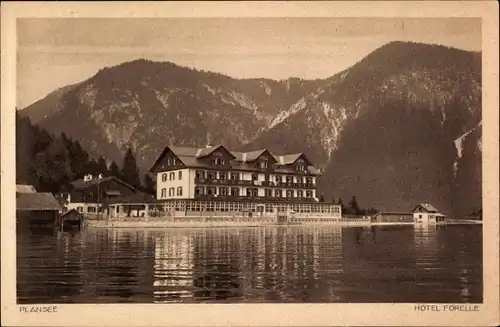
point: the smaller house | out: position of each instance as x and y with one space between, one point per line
89 194
425 213
37 208
393 217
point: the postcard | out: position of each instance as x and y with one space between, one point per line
250 163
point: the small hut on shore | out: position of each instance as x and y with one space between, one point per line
71 219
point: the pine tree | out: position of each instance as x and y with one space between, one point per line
113 170
92 167
353 204
341 204
149 184
79 160
130 172
102 166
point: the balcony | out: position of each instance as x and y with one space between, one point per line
295 185
209 181
229 198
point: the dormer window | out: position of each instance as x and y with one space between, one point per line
264 164
169 161
218 160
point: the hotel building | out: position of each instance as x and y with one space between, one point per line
215 175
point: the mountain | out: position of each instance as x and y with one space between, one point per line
385 129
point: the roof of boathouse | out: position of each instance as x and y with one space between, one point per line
22 188
190 157
36 202
427 207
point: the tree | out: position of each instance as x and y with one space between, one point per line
92 167
353 204
341 204
149 184
102 166
130 172
113 170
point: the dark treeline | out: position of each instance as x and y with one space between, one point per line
51 163
352 208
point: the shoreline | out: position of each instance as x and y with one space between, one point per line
255 224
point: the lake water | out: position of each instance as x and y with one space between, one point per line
252 265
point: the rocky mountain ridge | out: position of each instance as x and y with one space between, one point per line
384 129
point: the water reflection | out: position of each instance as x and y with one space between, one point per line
276 264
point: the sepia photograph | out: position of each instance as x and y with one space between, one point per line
249 160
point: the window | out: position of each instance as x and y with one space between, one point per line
264 164
308 181
268 192
79 209
289 194
163 192
277 193
173 161
223 191
235 176
235 191
289 179
179 191
163 177
171 192
255 177
172 176
222 175
198 190
211 175
300 193
301 167
200 174
90 209
309 194
278 178
211 190
169 161
180 175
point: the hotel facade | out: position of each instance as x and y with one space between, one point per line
217 179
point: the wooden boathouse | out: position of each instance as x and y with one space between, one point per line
37 209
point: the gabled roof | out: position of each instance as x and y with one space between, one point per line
80 184
427 207
203 152
22 188
189 157
36 202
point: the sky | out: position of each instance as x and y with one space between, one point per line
54 52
